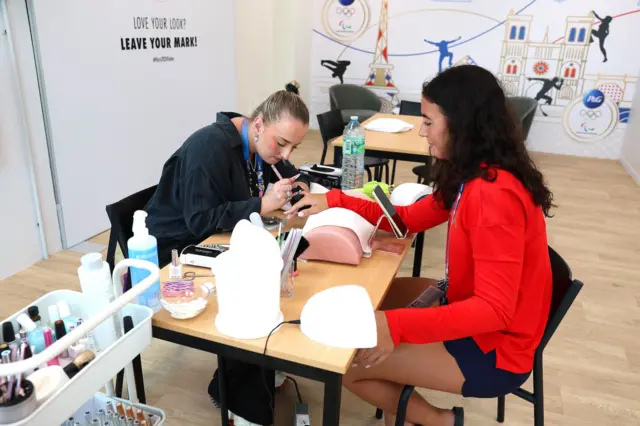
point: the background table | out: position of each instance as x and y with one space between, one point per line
289 350
405 146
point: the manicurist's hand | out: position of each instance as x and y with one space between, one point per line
277 196
315 203
373 356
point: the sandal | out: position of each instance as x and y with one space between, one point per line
458 413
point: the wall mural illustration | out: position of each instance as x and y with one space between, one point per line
572 56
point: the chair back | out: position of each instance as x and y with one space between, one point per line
352 96
410 108
331 126
121 218
525 110
565 291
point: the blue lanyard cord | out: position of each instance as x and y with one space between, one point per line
247 159
452 220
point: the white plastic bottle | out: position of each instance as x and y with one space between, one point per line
144 247
353 149
95 281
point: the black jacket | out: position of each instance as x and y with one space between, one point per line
204 188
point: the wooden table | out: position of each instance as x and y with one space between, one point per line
406 146
289 350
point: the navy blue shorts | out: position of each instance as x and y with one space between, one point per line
482 379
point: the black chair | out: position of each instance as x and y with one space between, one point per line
331 127
121 217
410 108
353 99
413 108
525 110
565 291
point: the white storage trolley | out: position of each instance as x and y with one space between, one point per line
81 392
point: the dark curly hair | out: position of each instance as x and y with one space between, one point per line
483 129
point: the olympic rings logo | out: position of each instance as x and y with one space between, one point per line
590 113
346 11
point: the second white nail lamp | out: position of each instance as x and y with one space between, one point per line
341 317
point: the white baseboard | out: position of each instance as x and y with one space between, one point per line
635 174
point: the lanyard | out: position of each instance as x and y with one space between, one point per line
245 149
452 220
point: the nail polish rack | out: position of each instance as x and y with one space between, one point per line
101 406
82 388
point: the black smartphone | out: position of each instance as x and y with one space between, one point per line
397 224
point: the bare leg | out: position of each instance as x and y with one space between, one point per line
426 366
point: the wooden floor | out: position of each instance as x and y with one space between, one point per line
592 366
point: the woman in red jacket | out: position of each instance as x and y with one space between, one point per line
481 338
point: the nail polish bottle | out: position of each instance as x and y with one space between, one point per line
54 316
34 314
35 335
65 314
48 341
60 333
9 337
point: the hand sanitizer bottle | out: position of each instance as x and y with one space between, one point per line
144 247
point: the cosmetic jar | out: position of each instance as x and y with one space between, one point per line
183 300
20 406
47 381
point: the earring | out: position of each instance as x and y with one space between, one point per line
255 138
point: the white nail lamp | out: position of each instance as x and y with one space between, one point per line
408 193
340 316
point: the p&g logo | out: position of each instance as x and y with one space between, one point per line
593 99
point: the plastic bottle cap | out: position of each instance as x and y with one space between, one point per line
139 223
8 334
354 117
33 311
63 309
92 261
54 315
26 322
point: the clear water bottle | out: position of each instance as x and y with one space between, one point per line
353 155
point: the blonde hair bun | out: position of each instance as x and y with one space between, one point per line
293 86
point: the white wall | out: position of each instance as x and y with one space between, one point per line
31 98
18 224
273 50
630 156
479 32
18 219
117 114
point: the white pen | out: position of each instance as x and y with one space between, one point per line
275 170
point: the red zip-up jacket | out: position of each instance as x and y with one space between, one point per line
500 281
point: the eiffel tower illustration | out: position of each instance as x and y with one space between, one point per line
379 80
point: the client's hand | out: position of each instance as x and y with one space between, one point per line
370 357
312 203
277 196
303 186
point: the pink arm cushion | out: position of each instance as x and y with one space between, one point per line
333 244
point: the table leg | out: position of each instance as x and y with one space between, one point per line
332 397
337 156
222 386
417 256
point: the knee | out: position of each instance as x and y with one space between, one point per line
350 377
